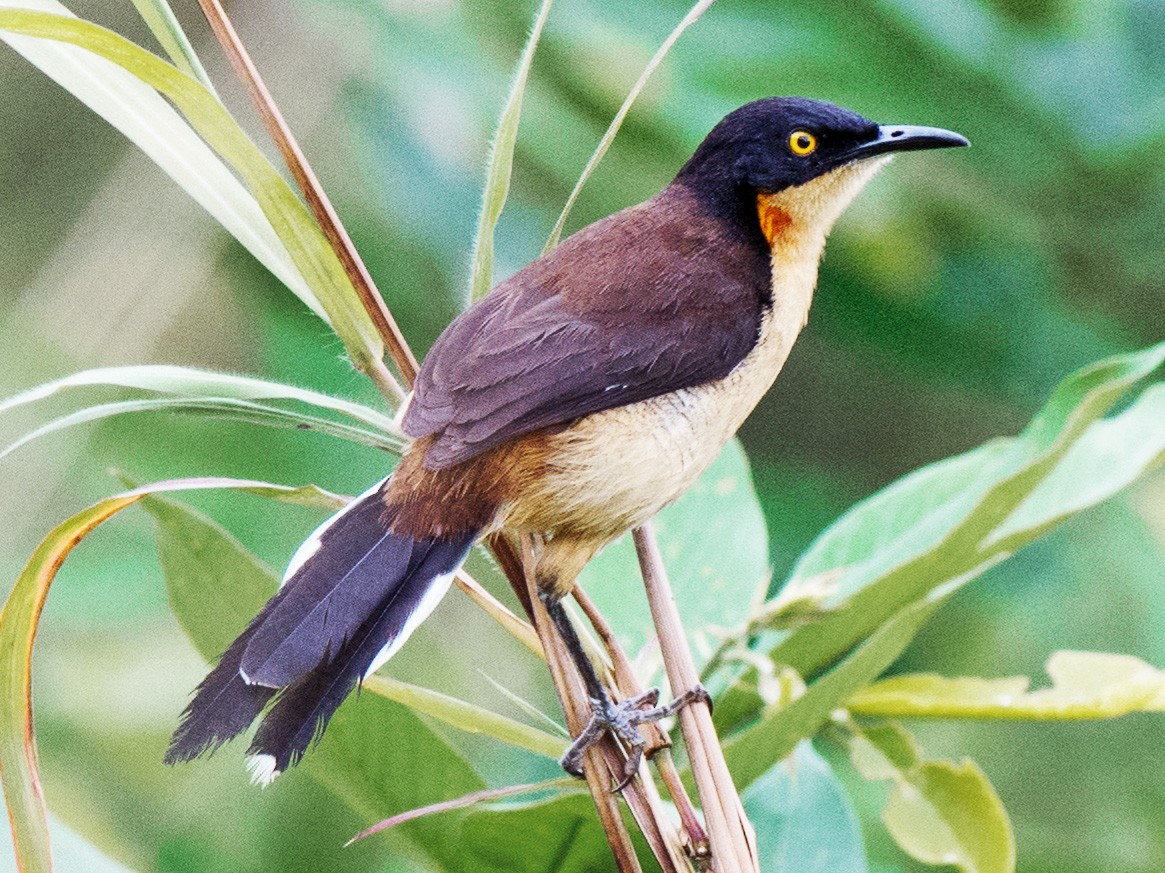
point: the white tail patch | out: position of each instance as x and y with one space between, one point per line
312 544
424 609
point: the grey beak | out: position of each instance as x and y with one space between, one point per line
908 138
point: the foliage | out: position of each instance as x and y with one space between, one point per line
859 594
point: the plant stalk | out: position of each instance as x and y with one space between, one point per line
733 843
321 207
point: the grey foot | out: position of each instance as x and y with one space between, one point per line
622 719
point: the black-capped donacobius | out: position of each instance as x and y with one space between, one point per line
573 402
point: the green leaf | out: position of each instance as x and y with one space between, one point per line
561 834
467 717
617 122
803 819
19 621
193 383
1085 685
215 585
949 814
501 164
18 625
163 24
938 812
754 750
935 523
144 116
715 546
294 224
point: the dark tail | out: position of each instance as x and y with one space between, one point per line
353 595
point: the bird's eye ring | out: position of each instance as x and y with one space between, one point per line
802 143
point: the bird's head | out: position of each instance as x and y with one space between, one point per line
801 160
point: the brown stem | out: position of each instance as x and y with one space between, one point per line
571 694
321 206
732 841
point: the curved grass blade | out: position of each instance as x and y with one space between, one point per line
163 24
501 164
143 116
605 143
223 407
192 383
18 624
309 249
19 621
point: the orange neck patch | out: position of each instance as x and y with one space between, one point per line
774 221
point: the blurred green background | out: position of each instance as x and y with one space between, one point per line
954 294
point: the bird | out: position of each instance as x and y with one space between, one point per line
571 403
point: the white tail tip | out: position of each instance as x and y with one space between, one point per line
262 769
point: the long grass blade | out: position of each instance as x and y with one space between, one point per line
221 407
143 116
501 163
605 143
321 207
468 717
309 249
193 383
163 24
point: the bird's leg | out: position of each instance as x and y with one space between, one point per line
622 718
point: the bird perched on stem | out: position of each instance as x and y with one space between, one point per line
572 403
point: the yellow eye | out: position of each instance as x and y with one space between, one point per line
802 143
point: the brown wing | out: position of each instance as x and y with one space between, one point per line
653 299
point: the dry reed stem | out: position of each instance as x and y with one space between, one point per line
571 694
732 839
658 742
321 207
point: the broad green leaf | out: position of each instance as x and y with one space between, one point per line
19 620
163 24
501 164
561 834
214 584
1111 455
190 382
1085 685
939 812
804 821
305 242
144 116
949 814
381 759
714 544
211 407
751 751
617 122
936 524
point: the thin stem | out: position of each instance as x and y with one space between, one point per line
605 143
571 694
321 206
732 841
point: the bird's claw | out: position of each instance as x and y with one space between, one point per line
622 719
